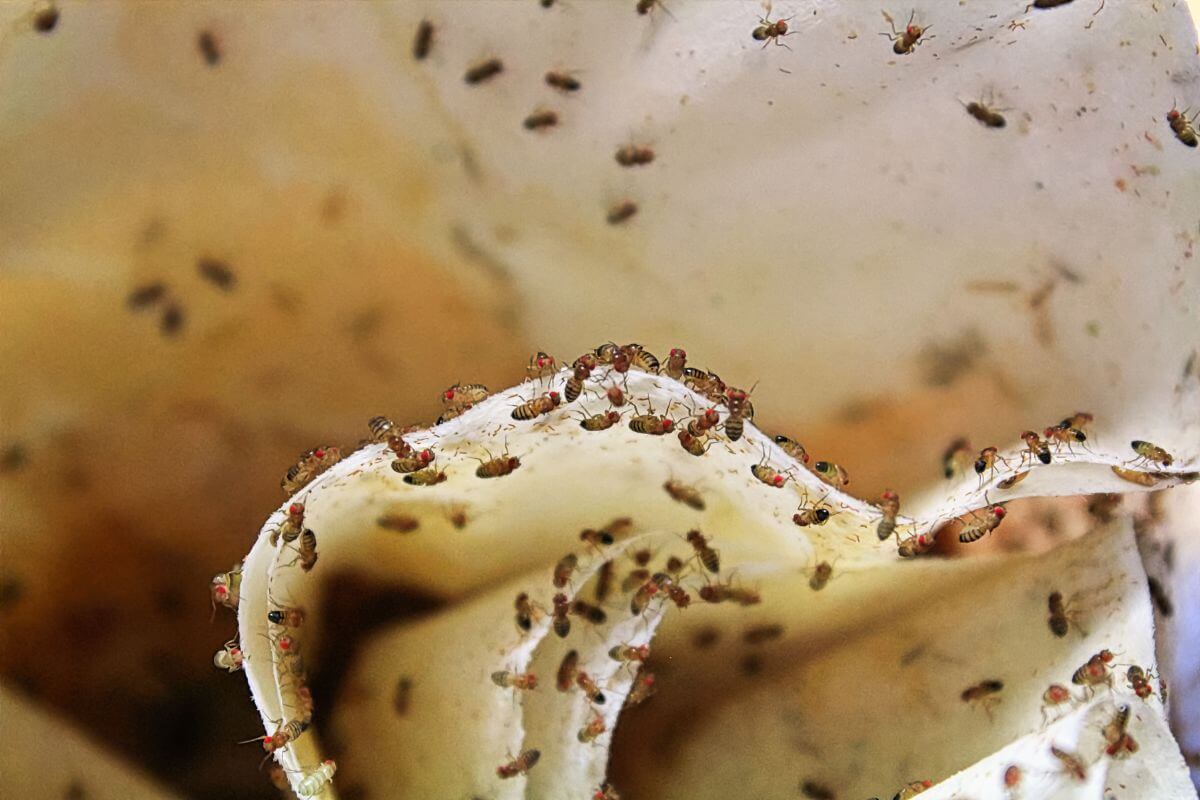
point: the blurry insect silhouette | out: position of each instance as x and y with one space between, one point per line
604 581
988 117
606 792
762 633
727 592
682 493
644 687
541 365
567 669
540 119
1135 476
520 765
46 19
916 544
1139 681
483 71
820 577
676 361
1072 764
1012 777
400 523
1061 615
634 155
621 211
904 41
423 40
593 614
644 594
955 457
563 81
984 694
527 612
1116 734
912 789
1182 127
982 526
1149 453
646 6
1095 671
817 791
402 697
146 295
889 507
1046 4
709 558
564 569
615 395
627 654
536 407
594 727
562 623
768 31
315 782
1055 696
524 681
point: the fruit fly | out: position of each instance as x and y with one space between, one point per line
723 592
1055 695
889 506
984 693
980 527
605 352
916 544
1072 764
146 295
904 41
989 117
615 395
641 358
635 578
955 456
986 461
520 765
564 569
568 668
226 588
633 155
307 550
1151 453
682 493
792 448
593 614
574 388
537 406
229 657
460 397
1095 671
1115 734
562 623
288 616
541 365
563 81
642 597
621 211
1138 679
381 428
642 690
413 462
497 467
430 476
652 424
606 792
527 611
483 71
590 690
817 791
286 733
695 445
423 40
525 681
768 31
310 465
1181 126
677 594
594 727
595 539
315 782
740 410
600 422
700 424
1035 447
832 474
1061 614
815 514
708 557
291 527
626 653
1012 480
541 118
676 361
1060 435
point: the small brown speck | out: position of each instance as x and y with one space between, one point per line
216 272
621 212
46 20
403 696
210 47
705 638
171 322
423 40
146 295
483 71
13 457
401 523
